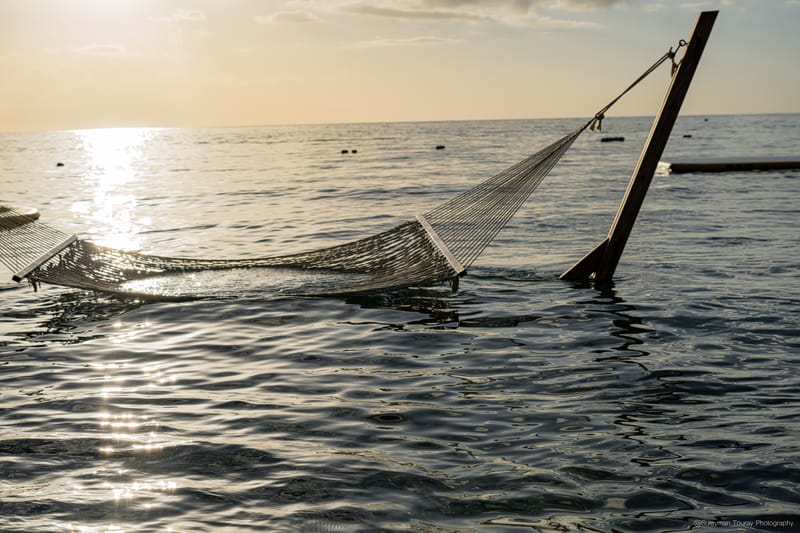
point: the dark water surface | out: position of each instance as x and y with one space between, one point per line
669 401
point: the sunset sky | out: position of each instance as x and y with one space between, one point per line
70 64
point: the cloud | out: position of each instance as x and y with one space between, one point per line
183 15
423 40
655 7
523 6
578 5
104 50
525 13
705 4
288 17
412 14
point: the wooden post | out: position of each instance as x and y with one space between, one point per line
602 261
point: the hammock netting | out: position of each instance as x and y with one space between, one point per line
436 247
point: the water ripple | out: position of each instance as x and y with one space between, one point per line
667 401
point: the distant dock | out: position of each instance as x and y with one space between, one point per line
729 164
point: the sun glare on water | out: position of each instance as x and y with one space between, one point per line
114 160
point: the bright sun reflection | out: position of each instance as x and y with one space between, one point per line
128 429
93 529
131 490
114 159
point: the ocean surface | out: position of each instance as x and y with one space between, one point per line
667 401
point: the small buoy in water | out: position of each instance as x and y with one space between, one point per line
59 164
345 151
353 151
440 147
612 139
687 136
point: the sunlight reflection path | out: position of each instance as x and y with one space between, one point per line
127 433
115 157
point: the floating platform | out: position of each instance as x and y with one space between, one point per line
729 164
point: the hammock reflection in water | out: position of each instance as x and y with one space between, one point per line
241 282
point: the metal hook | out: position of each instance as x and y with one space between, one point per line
672 54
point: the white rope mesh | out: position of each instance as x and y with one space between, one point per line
406 255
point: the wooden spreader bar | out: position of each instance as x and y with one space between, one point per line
52 252
441 246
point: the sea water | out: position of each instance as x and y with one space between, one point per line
667 401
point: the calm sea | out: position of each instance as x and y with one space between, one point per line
669 401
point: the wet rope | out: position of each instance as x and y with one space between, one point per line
596 122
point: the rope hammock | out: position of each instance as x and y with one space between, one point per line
437 246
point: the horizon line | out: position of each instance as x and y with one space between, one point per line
363 122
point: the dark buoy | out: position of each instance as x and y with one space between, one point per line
687 136
612 139
59 164
353 151
345 151
440 147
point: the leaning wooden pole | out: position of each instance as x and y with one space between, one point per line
601 263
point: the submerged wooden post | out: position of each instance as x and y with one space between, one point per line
601 262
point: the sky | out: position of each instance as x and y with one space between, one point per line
73 64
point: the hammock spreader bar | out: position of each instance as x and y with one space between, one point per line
458 268
45 257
